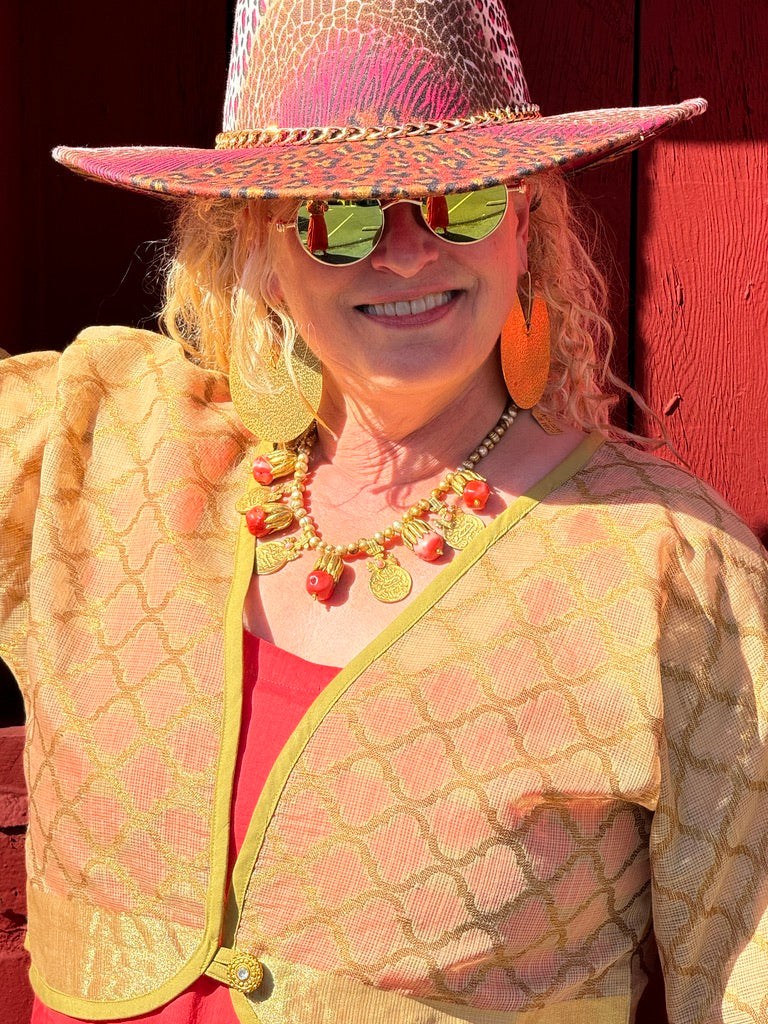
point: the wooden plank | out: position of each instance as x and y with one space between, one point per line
12 185
578 55
702 313
104 74
14 962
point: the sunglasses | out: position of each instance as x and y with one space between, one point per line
338 232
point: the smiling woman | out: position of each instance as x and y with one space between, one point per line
373 675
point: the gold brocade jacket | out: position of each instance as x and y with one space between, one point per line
556 751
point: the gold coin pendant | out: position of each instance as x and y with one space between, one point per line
390 583
270 557
462 529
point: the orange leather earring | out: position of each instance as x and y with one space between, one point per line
525 342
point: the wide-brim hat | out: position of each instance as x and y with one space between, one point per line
375 98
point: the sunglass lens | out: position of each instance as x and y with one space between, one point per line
336 232
466 216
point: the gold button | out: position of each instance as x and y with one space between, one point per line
245 972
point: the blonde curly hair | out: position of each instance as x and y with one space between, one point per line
218 304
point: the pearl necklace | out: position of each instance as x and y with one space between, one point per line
425 527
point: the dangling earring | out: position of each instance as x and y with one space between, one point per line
278 413
525 354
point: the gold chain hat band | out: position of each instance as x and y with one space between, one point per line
356 133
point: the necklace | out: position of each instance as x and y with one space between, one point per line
426 527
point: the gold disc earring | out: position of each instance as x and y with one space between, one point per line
280 413
525 350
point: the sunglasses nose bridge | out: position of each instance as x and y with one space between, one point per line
420 218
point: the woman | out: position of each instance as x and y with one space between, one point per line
486 724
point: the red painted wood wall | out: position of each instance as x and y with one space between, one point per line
686 223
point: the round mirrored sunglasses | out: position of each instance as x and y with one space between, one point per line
340 232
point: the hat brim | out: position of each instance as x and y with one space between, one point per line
408 165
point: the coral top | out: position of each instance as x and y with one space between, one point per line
286 686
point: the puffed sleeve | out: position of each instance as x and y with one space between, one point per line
709 842
27 393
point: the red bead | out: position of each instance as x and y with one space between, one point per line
476 493
429 546
320 584
256 520
262 471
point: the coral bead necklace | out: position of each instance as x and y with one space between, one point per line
426 527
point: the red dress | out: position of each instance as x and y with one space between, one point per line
438 217
286 686
317 233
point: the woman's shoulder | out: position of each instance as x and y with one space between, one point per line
117 365
101 354
116 352
110 381
653 489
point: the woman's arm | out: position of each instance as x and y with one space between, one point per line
709 842
27 389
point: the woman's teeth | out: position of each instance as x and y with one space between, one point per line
421 305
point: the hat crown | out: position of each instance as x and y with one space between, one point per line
307 63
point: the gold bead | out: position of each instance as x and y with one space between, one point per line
300 512
378 537
314 542
389 533
352 549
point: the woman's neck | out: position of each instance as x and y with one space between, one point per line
382 444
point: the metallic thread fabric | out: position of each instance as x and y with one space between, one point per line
568 724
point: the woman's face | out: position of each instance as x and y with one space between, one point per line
419 314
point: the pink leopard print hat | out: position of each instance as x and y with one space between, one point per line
342 99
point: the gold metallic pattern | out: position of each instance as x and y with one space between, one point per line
569 722
113 628
475 817
286 406
251 137
296 993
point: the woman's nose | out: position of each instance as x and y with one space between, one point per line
406 244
